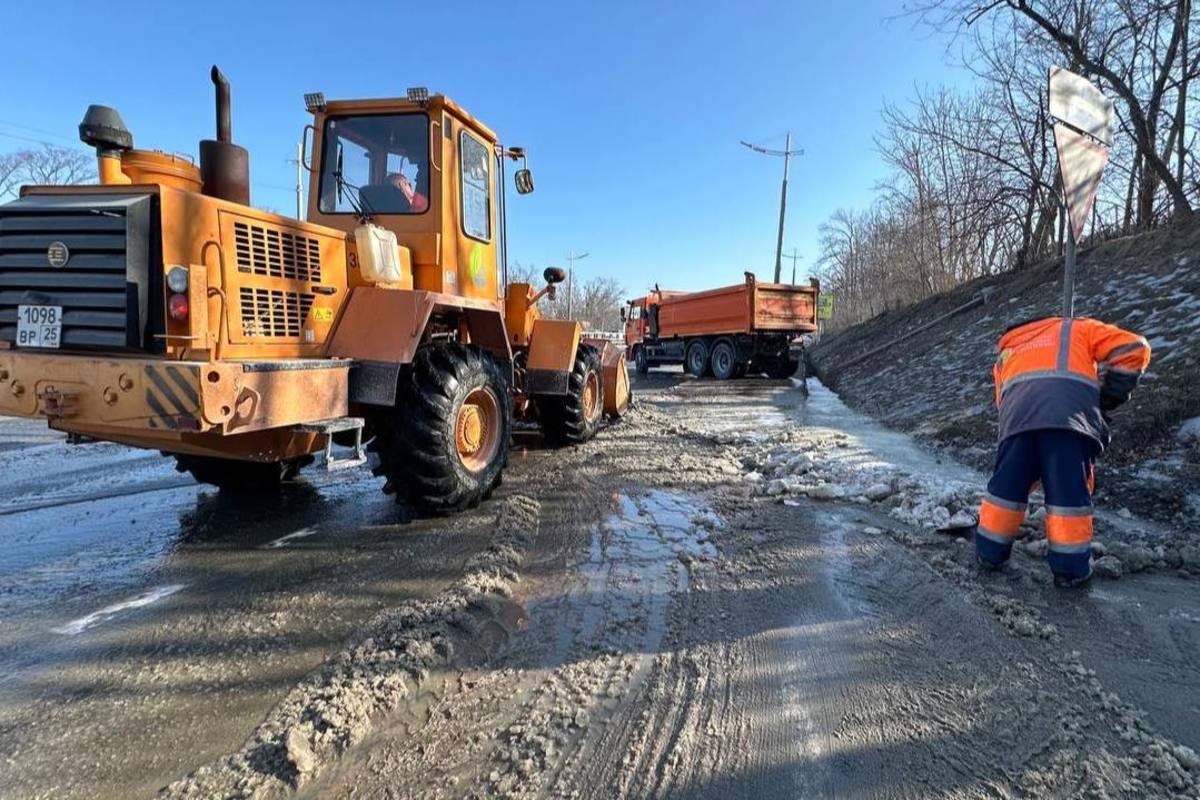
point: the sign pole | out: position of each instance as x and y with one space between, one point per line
1068 309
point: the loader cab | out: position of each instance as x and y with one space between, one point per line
421 167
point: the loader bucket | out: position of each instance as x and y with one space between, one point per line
616 378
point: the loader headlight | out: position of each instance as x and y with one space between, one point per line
177 279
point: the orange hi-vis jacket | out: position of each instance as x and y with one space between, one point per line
1064 373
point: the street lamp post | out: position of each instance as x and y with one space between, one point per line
571 259
787 152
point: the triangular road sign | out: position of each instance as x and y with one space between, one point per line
1081 161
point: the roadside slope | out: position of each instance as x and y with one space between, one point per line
937 385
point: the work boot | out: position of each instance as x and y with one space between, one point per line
1066 582
988 566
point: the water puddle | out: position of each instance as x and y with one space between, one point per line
150 597
824 409
637 560
655 532
283 541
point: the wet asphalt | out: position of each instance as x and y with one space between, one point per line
119 575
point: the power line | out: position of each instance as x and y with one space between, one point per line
42 142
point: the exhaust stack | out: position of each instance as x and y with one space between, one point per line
224 167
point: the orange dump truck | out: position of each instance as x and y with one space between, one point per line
727 333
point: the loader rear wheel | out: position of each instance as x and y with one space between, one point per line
574 417
697 361
443 446
239 477
724 361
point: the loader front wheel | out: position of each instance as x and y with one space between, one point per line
574 417
239 477
444 445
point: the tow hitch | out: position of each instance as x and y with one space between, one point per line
56 404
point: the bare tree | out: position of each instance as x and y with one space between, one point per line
974 187
47 166
50 165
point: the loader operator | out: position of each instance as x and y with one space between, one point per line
1056 380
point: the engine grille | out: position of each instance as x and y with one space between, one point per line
103 286
276 254
273 312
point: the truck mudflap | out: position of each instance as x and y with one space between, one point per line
153 396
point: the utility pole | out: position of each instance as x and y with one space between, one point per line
794 256
787 152
571 259
299 162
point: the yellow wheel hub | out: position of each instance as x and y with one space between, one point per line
591 396
470 430
476 431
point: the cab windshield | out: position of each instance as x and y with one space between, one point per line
385 164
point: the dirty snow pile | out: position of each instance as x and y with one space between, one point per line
938 385
392 656
826 464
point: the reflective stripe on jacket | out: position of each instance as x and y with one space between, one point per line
1061 373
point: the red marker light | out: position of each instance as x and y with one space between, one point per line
177 307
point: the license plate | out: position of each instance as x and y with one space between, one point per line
39 326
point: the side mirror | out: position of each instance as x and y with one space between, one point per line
523 179
624 316
304 160
554 275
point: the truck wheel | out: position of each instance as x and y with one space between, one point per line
724 361
782 367
239 477
573 418
697 359
443 446
640 362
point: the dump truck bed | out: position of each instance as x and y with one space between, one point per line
749 307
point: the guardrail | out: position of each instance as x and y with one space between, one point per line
616 337
984 296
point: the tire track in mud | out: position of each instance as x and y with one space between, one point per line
387 663
821 651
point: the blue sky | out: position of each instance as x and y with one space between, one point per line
631 112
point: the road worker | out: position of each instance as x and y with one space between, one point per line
1056 380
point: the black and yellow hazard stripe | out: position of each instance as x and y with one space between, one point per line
171 393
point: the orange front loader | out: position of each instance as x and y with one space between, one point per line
159 309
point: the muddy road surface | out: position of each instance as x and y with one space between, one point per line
738 592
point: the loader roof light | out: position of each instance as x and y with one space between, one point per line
417 94
314 101
177 307
177 279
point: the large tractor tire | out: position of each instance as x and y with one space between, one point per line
641 362
444 445
696 360
574 417
724 360
239 477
